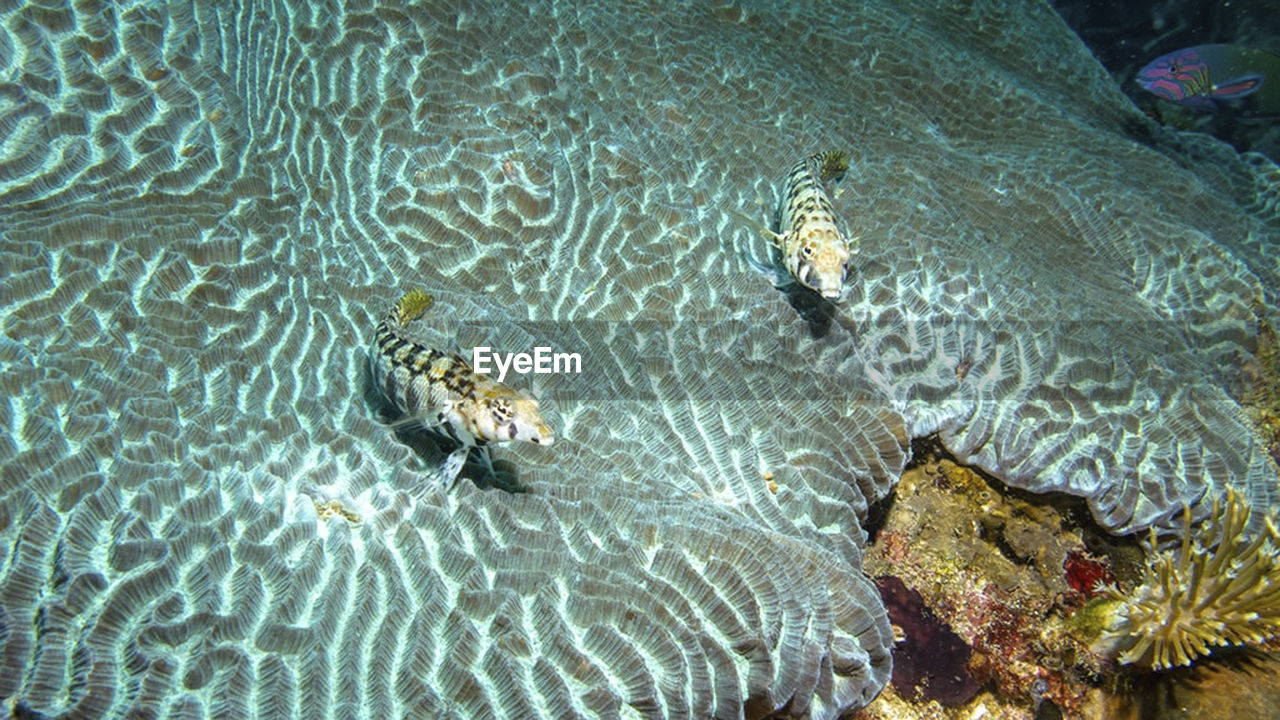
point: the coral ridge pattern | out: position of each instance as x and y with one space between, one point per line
205 208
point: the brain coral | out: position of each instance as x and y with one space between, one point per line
208 206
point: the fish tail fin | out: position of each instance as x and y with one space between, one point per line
832 164
412 305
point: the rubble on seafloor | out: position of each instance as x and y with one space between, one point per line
1006 573
336 508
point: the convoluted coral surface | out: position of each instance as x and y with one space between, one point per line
208 206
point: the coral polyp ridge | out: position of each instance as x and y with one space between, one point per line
207 207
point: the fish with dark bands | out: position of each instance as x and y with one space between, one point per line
439 390
814 249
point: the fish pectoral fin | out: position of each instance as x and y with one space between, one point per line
488 460
1237 87
776 240
778 278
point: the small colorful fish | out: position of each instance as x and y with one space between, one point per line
813 247
437 389
1200 76
814 250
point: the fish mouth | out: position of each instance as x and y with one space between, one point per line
1162 89
829 285
820 282
806 277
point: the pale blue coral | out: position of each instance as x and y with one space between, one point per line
208 206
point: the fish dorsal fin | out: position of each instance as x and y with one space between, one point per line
832 165
413 304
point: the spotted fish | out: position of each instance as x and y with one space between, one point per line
814 250
439 390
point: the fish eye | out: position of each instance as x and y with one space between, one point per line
807 251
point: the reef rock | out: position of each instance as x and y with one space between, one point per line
207 207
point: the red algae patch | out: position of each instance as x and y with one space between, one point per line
1087 574
999 572
930 661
